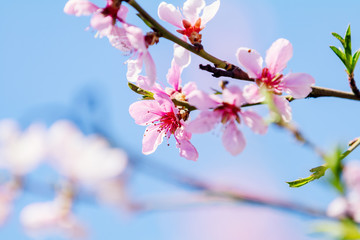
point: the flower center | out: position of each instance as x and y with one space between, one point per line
192 32
228 112
168 123
112 11
272 83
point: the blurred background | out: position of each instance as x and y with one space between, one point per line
51 68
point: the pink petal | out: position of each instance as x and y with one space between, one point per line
283 106
338 208
150 68
181 56
204 122
80 8
173 75
187 150
192 9
251 60
152 139
134 69
209 12
233 95
233 140
144 112
136 37
201 100
122 13
118 39
278 55
252 94
101 23
298 84
254 121
189 88
170 14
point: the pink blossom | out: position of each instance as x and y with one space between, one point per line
271 77
103 19
21 152
50 217
163 119
140 46
176 91
189 20
83 159
227 111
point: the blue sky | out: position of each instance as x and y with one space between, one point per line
49 66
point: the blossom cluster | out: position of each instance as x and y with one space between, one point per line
81 161
166 111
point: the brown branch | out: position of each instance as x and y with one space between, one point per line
316 92
353 86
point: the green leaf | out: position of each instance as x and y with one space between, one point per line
340 54
347 46
147 95
333 161
355 58
339 38
344 229
318 172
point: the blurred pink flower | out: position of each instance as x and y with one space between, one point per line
51 217
189 20
87 160
271 77
21 152
162 119
227 111
103 19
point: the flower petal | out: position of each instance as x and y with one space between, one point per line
102 23
233 95
209 12
134 68
152 139
189 88
118 39
252 94
173 75
122 13
201 100
181 56
233 140
145 112
170 14
251 60
298 84
278 55
204 122
150 68
192 9
283 106
136 37
187 150
254 121
80 8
